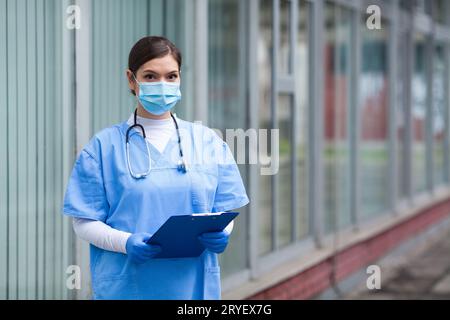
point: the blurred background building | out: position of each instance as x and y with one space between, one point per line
363 117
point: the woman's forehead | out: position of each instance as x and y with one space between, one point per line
164 64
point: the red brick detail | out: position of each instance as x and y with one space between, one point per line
317 278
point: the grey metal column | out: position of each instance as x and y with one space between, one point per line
274 114
3 153
295 113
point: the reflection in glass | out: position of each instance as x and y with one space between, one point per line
402 101
336 125
264 79
438 114
374 121
302 65
419 113
439 10
285 34
285 170
227 103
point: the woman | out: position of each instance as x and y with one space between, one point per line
133 176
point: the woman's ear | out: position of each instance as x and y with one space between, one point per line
131 81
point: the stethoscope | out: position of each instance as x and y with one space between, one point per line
181 166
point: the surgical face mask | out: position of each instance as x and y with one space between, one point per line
158 97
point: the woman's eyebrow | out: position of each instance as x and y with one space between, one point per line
150 71
154 72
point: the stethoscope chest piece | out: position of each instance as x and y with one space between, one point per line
182 167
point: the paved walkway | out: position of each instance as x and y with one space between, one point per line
426 276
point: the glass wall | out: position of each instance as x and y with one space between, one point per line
303 61
403 65
285 108
338 92
439 114
264 114
36 150
283 224
419 113
227 80
440 8
374 104
285 123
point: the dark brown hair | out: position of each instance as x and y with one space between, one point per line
149 48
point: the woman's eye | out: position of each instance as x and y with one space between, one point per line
149 77
173 77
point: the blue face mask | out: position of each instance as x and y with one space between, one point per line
158 97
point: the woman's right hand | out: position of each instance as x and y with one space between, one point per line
138 250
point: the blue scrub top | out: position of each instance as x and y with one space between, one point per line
101 188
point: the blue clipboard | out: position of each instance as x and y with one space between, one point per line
178 236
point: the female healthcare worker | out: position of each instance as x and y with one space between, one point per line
130 178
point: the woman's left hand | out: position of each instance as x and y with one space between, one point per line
215 241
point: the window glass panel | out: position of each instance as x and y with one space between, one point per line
285 170
302 66
336 125
227 100
439 106
401 107
374 88
265 84
285 34
419 110
439 10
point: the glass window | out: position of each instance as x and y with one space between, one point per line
423 6
285 35
338 92
289 127
439 107
403 63
265 84
419 113
374 88
302 62
227 99
440 8
285 170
